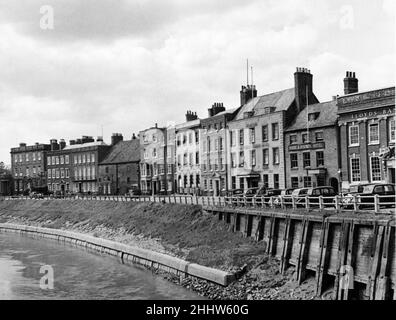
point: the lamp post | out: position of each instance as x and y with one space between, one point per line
339 180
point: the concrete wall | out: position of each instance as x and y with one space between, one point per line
126 253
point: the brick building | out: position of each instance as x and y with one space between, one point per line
85 154
58 167
6 181
156 170
367 134
311 147
119 170
28 167
188 169
214 149
256 133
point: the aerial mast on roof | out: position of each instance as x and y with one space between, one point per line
247 73
251 70
306 88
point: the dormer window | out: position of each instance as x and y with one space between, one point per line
313 116
269 109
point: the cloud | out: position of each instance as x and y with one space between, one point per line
128 64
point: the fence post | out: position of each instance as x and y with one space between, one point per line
294 202
337 203
321 202
282 202
355 203
376 203
271 202
307 202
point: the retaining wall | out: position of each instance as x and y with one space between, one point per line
352 254
127 254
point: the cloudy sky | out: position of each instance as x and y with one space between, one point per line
126 64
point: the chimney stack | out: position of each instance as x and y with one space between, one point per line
115 138
72 142
350 83
22 144
247 93
62 144
190 116
302 80
216 108
54 144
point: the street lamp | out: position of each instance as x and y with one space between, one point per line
339 180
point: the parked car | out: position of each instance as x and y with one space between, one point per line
299 195
367 193
286 195
235 194
249 194
36 195
328 193
263 195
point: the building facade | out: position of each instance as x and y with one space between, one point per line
28 167
367 134
85 155
58 168
214 150
256 134
188 171
156 170
6 181
311 148
119 170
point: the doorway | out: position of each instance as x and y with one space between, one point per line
334 184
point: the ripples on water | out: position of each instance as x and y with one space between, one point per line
78 274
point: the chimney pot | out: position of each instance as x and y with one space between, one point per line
351 83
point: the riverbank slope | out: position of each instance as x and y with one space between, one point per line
182 231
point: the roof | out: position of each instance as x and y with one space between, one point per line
327 116
122 152
188 124
281 100
85 145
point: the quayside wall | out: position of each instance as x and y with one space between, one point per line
127 254
351 254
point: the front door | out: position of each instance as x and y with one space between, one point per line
217 187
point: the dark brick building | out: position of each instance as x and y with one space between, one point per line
58 167
6 181
311 147
85 154
28 167
119 170
367 134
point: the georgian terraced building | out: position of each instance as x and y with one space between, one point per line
157 160
85 155
188 169
256 134
311 147
367 134
214 150
28 167
58 167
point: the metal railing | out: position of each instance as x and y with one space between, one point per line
355 203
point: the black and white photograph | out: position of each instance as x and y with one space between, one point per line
191 156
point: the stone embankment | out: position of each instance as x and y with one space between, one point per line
181 231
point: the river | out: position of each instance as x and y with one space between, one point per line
77 274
